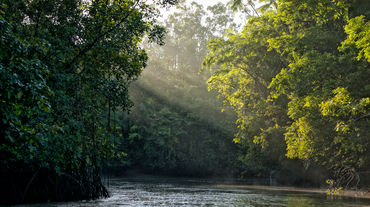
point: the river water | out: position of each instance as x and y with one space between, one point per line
137 192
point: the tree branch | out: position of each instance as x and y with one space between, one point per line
100 36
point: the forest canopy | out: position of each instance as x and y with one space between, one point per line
293 83
63 65
299 74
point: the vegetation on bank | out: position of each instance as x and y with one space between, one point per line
64 64
298 76
293 85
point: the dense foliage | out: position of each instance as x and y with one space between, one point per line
64 63
294 86
176 126
300 73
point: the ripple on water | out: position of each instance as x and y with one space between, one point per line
142 193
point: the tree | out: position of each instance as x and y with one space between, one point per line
64 62
315 57
325 86
242 68
249 7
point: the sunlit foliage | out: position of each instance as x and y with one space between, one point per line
315 55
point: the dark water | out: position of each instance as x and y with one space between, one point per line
138 192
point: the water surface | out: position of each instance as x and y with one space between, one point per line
136 192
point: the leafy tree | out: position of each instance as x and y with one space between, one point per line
325 86
64 64
242 68
24 100
249 6
307 60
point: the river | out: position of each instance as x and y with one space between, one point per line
162 191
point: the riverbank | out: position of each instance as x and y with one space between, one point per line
346 193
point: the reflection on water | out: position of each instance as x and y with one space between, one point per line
184 192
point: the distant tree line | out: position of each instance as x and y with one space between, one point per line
176 126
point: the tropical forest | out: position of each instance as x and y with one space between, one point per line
184 103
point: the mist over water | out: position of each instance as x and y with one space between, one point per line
153 191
